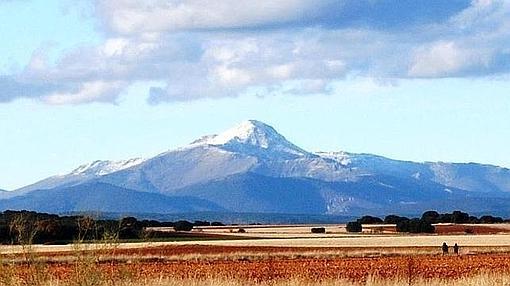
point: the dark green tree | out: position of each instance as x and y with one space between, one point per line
183 225
354 226
430 216
370 220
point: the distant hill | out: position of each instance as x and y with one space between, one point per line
100 197
252 168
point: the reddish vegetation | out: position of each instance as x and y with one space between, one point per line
270 268
469 229
208 249
316 269
177 250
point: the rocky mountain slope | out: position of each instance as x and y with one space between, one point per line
253 168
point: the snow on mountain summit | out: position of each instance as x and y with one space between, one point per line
252 168
248 132
253 133
101 168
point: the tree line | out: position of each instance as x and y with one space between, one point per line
27 227
424 224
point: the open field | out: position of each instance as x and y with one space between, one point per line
203 265
357 269
337 230
283 255
336 241
382 242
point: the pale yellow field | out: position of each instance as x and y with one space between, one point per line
372 241
304 231
300 236
360 241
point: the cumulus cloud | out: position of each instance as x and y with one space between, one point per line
11 88
217 48
447 59
133 17
87 92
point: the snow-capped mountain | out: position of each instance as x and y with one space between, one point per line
254 136
83 173
252 168
101 168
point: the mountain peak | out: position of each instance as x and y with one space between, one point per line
253 133
249 132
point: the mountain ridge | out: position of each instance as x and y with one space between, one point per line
251 166
101 197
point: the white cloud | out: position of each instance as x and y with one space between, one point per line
482 14
473 43
283 71
231 76
215 48
115 47
445 59
132 16
87 92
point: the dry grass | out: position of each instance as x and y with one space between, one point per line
478 280
353 261
107 252
85 268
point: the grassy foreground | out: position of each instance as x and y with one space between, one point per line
478 280
87 268
106 263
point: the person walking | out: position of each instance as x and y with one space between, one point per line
444 247
456 249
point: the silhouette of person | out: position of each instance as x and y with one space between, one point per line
444 247
456 249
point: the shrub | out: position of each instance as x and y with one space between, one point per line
490 219
354 226
473 219
130 228
370 220
430 216
460 217
155 234
318 230
150 223
241 230
415 226
394 219
183 225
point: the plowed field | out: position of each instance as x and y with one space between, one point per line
276 268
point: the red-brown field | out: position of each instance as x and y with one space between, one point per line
468 229
157 262
332 259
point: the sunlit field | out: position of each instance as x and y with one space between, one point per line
341 259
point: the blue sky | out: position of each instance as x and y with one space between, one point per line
413 80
